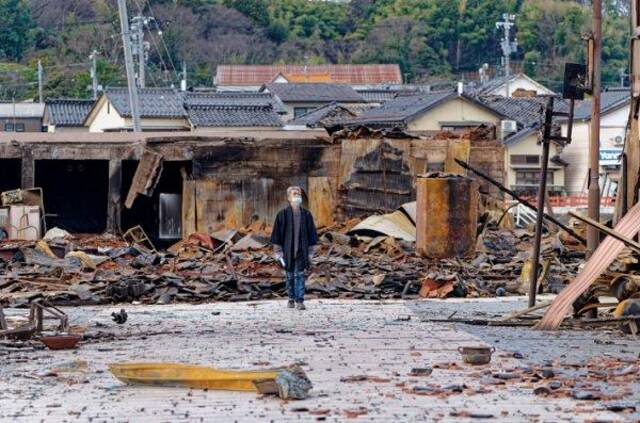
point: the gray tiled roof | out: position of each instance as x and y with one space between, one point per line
324 116
228 98
330 114
380 95
21 110
233 116
402 108
154 102
526 111
67 111
609 100
314 92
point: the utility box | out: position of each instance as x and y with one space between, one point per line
446 215
24 222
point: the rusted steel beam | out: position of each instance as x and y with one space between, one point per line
604 255
522 201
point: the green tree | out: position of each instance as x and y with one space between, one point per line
402 40
615 43
254 9
552 31
15 26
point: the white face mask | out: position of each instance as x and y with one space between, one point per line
297 200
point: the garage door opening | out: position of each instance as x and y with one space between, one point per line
160 215
75 193
10 174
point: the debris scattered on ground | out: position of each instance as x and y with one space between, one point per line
239 266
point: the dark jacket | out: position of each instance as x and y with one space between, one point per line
282 235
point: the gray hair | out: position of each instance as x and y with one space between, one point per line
293 188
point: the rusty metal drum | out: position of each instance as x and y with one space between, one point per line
446 215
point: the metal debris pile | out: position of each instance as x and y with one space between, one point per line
233 265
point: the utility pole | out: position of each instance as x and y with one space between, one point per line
508 46
94 73
140 47
183 82
40 72
128 61
137 33
593 236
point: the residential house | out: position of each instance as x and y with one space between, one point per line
428 112
254 77
523 151
66 114
328 116
161 109
520 85
614 114
300 98
233 110
21 117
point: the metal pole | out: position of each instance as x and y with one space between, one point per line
40 81
593 235
183 83
141 53
507 64
521 200
542 191
94 74
128 60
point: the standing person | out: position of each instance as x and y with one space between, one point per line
294 240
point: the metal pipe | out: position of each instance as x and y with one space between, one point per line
542 192
521 200
593 236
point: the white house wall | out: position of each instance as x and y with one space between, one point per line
612 125
521 83
106 117
454 110
529 146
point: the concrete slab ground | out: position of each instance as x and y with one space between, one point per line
333 340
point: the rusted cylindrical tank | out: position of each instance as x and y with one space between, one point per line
446 215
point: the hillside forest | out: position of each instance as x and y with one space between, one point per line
433 41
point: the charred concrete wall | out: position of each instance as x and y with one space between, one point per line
378 170
231 181
239 182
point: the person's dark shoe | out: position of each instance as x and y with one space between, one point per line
300 306
291 304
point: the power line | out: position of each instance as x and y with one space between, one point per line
164 44
155 44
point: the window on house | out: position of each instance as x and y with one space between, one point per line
299 111
531 177
8 127
525 159
435 167
458 128
19 127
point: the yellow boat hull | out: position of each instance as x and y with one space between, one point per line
199 377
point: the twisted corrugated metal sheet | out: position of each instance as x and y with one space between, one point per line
604 255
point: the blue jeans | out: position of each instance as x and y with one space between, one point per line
295 283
